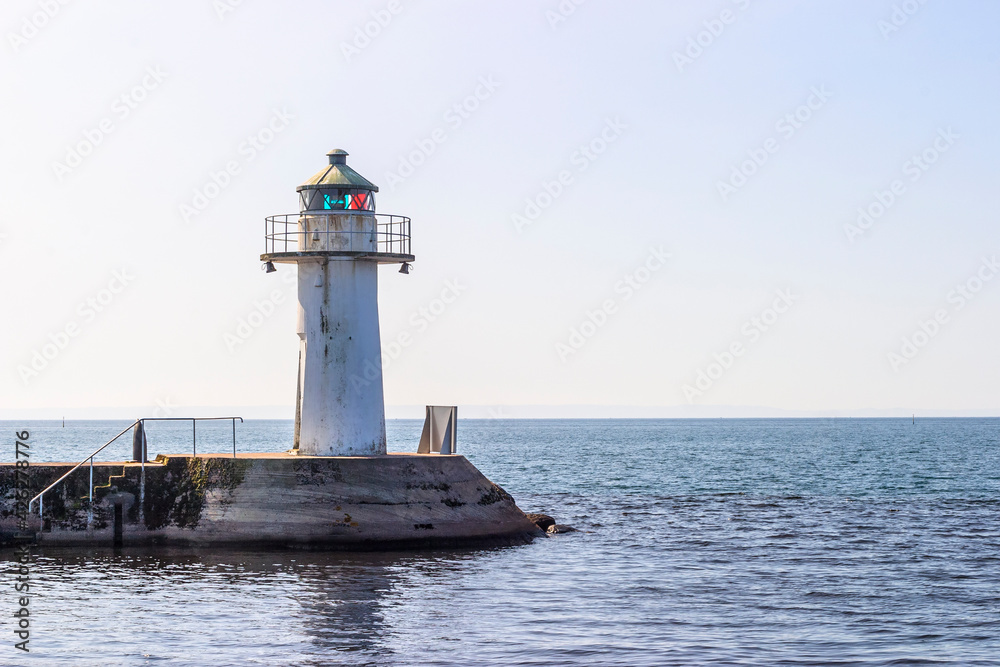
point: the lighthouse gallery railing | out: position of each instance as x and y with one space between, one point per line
286 233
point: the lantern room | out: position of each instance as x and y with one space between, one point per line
337 188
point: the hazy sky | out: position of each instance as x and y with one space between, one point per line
683 207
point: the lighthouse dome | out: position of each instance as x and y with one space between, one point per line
337 187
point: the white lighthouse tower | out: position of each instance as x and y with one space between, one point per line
337 240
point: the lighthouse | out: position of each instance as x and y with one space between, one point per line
337 241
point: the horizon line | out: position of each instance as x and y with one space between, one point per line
504 412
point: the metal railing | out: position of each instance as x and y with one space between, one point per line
194 430
142 479
312 232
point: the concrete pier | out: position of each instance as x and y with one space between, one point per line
372 502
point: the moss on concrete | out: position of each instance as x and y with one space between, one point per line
178 496
494 495
314 473
428 486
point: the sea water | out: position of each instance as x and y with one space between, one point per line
800 542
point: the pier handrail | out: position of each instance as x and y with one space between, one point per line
194 434
142 491
71 470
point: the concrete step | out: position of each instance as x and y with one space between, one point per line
101 491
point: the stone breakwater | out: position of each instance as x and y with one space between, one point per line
378 502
